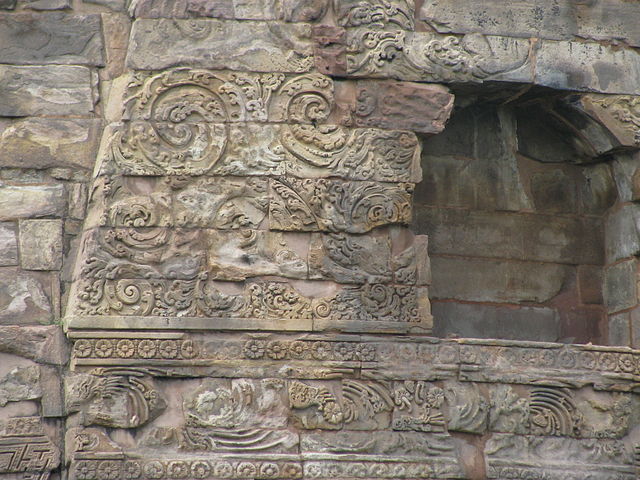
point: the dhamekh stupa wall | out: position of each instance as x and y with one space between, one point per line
319 239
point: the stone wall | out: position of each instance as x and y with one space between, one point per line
516 243
223 222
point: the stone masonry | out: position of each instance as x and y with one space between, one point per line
319 239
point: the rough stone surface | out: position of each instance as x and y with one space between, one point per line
623 233
288 10
43 5
46 143
531 237
116 5
619 329
564 19
31 201
494 281
50 90
8 244
41 244
51 38
418 107
488 321
472 163
25 298
7 4
587 67
262 48
620 286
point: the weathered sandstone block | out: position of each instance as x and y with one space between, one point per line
601 19
8 244
51 38
46 143
287 10
261 47
25 297
486 280
45 90
403 105
621 286
531 237
31 201
587 67
41 244
489 321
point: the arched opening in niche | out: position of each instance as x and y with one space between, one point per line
519 198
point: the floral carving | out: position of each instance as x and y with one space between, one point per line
305 349
377 13
360 402
135 348
114 400
324 205
434 58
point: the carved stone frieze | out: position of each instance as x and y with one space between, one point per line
114 398
363 406
147 348
189 121
558 457
205 202
332 206
353 307
378 13
204 468
417 56
252 149
26 449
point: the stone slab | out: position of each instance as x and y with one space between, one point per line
32 201
262 47
115 5
523 236
25 297
627 176
42 344
622 233
487 321
472 163
7 4
404 105
288 10
43 38
564 19
587 67
619 329
41 244
43 5
485 280
45 90
620 286
8 244
46 143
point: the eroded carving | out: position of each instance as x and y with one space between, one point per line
325 205
112 397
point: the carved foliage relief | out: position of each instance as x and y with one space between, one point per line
242 197
315 406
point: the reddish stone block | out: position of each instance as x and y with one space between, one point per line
330 49
402 105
